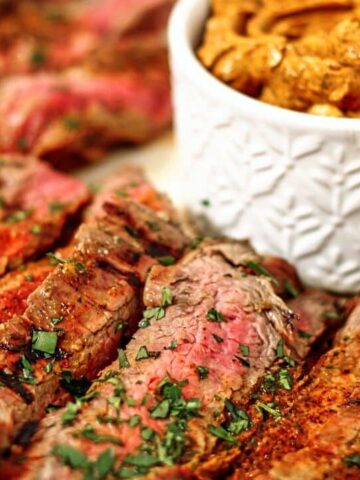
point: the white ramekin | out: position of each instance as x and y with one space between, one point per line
287 181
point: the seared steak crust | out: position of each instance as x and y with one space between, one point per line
35 204
84 305
209 333
320 430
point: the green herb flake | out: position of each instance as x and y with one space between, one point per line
285 380
195 242
144 323
331 314
260 270
353 460
291 289
147 433
35 229
71 123
70 456
269 408
215 316
205 202
55 260
132 231
173 345
134 421
18 216
161 410
220 432
49 366
44 341
141 460
166 261
304 334
203 372
55 207
245 350
166 297
38 57
142 353
22 143
240 421
29 277
280 351
123 360
217 338
290 361
56 320
90 433
27 370
154 227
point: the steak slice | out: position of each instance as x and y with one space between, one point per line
82 113
210 331
39 36
319 436
35 204
81 309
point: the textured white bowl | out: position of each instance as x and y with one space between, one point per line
288 181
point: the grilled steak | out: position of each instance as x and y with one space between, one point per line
210 331
319 436
81 113
73 321
35 203
48 36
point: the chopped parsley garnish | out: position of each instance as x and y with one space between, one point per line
215 316
38 57
49 366
55 260
22 143
260 270
353 460
44 341
56 320
157 312
269 383
142 353
243 360
161 410
290 361
291 289
123 360
90 433
119 326
72 408
132 231
35 229
270 409
303 334
331 314
154 227
217 338
195 242
240 420
205 202
220 432
285 380
167 260
27 370
134 421
18 216
55 207
71 123
280 351
203 372
147 433
70 456
245 350
29 277
173 345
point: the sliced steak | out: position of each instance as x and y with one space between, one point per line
35 204
74 320
81 113
319 435
38 36
210 332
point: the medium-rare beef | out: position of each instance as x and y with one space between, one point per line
319 435
73 321
35 204
210 331
80 113
46 36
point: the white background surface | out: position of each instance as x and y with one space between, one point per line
159 159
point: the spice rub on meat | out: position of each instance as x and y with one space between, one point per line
301 55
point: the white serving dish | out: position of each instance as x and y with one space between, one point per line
288 181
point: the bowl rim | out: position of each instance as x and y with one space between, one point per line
181 50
